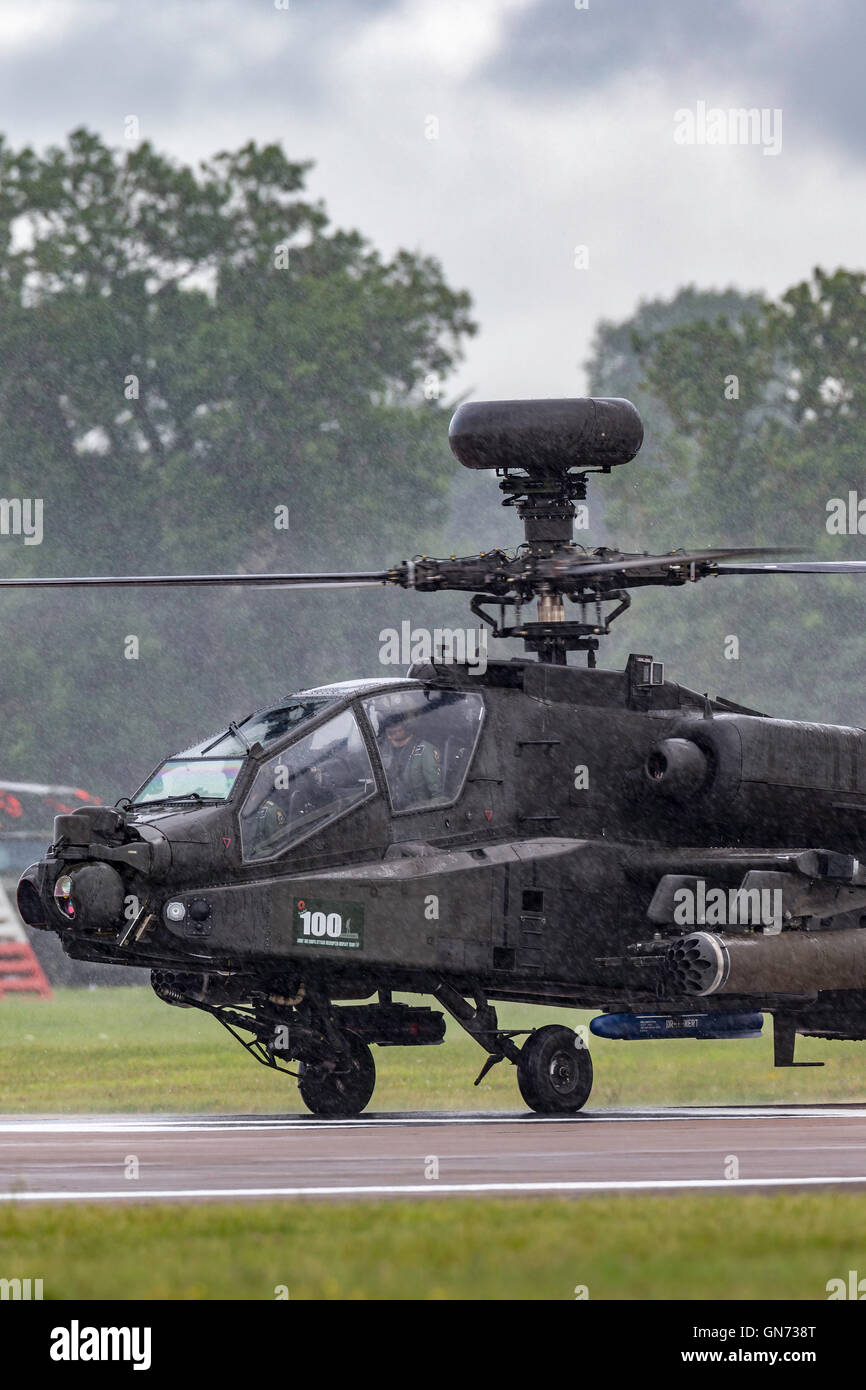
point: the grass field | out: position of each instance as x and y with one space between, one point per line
724 1247
122 1049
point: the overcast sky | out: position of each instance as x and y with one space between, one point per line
555 130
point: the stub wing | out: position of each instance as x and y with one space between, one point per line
751 888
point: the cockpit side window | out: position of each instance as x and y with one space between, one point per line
305 787
426 739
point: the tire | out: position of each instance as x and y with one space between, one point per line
554 1071
340 1089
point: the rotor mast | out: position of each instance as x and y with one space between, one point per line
547 511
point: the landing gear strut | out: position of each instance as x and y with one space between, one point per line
554 1068
336 1073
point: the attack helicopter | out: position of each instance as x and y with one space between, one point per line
540 831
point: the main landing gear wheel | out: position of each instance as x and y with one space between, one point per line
554 1071
341 1087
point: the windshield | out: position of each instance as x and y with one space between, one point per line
206 779
265 727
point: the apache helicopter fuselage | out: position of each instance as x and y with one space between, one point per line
530 832
574 805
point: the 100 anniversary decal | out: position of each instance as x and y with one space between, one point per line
339 925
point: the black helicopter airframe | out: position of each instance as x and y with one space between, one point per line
538 832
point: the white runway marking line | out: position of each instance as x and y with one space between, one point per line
248 1124
433 1189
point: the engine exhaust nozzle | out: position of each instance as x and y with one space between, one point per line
677 767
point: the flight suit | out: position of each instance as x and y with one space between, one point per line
269 820
414 772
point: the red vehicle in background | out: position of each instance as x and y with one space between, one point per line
27 811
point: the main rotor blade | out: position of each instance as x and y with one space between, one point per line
347 579
797 567
586 569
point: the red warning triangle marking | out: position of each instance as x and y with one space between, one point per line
227 839
489 815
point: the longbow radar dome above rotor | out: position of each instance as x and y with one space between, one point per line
546 437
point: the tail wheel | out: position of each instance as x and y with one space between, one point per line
554 1071
342 1086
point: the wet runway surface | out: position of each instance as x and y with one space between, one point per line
248 1157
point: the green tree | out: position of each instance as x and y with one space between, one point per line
762 416
189 357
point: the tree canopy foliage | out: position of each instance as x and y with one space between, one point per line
189 357
756 420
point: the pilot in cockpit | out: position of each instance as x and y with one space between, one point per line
412 765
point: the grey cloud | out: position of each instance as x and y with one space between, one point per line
153 61
812 69
554 48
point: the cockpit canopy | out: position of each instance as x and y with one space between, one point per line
425 741
419 741
207 771
305 786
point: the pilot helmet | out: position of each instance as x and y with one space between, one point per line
396 709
